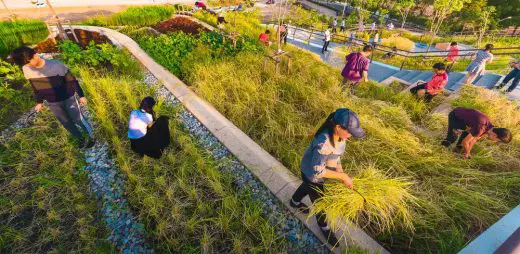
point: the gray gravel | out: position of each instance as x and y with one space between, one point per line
300 239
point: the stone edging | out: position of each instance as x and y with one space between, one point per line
278 179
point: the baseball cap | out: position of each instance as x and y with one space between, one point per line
349 121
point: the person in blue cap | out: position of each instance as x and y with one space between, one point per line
322 161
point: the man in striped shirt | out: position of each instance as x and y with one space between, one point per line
52 82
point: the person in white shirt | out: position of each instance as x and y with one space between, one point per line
326 40
147 135
342 27
334 25
391 26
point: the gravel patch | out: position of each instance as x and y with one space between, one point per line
300 239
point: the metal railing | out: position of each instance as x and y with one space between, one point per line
351 42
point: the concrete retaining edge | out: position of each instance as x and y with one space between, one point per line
276 177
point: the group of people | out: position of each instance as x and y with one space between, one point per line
282 29
53 83
149 135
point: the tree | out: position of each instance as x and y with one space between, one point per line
404 7
361 6
485 20
441 10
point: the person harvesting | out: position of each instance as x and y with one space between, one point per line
474 125
478 65
148 135
322 161
434 86
356 67
53 82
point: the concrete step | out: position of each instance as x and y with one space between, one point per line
410 75
488 80
424 76
379 72
401 73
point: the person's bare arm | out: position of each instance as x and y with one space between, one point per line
468 143
365 76
331 174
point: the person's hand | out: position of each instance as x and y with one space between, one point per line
467 156
38 107
347 181
83 101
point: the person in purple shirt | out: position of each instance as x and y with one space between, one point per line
474 124
356 67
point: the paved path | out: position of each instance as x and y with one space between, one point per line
379 71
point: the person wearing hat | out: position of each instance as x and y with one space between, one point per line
148 135
322 161
474 125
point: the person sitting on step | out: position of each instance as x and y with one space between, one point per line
434 86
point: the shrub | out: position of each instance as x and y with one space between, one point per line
399 42
14 34
15 94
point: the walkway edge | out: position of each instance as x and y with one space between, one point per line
276 177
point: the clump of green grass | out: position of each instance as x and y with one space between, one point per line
378 201
45 204
14 34
141 16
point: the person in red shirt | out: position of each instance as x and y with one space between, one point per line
474 125
453 56
264 37
434 86
200 4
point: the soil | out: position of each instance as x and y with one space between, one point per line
84 38
178 24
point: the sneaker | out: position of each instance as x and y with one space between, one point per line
498 87
330 236
446 143
301 207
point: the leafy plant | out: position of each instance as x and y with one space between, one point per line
14 93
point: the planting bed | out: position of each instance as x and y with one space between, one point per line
456 199
179 24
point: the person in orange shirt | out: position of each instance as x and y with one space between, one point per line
453 56
434 86
264 37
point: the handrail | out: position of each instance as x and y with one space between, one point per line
345 39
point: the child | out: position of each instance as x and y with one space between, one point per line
434 86
453 56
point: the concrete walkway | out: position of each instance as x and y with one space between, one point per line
381 72
318 8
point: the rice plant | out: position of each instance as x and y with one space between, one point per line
45 203
377 201
142 16
14 34
186 203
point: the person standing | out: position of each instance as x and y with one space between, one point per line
334 25
148 135
322 160
434 86
474 124
478 65
514 75
356 67
373 27
342 26
326 40
453 56
53 82
283 33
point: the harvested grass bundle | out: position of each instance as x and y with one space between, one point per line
378 201
399 42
